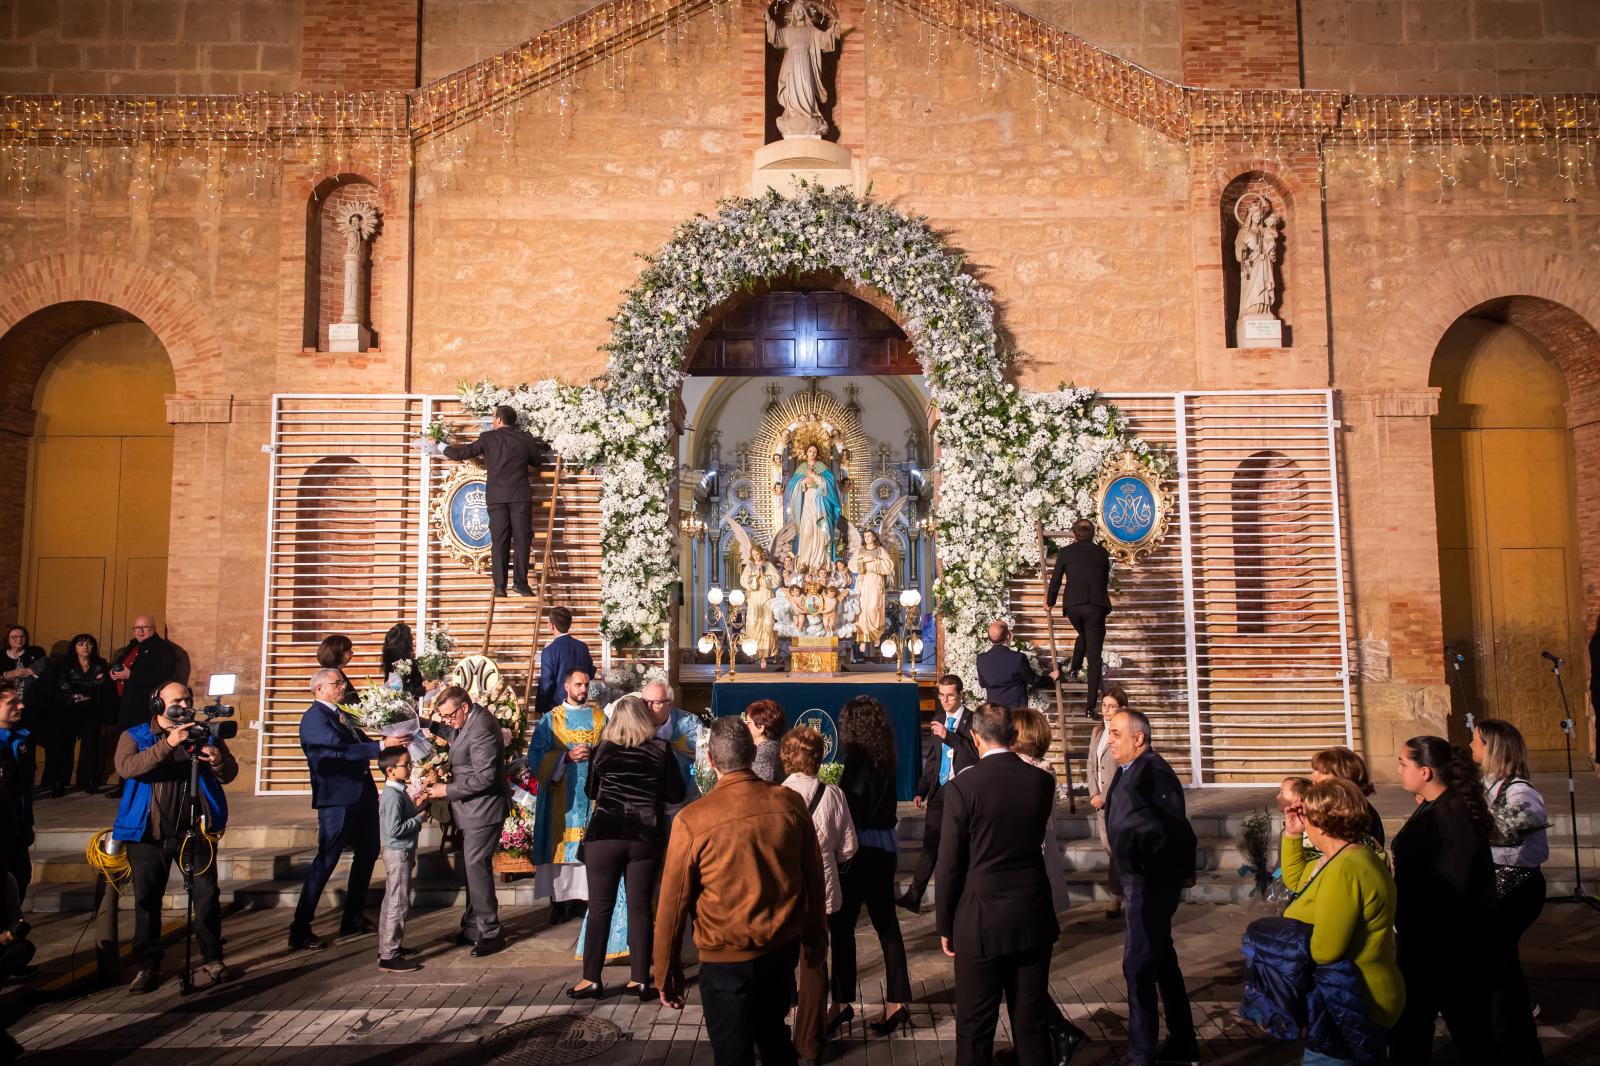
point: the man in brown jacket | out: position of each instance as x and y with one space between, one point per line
745 860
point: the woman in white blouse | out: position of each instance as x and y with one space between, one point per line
1102 767
1520 845
801 752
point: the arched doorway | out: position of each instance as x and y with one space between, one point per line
99 481
1505 494
764 364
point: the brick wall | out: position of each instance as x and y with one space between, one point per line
1452 45
149 46
360 47
1247 44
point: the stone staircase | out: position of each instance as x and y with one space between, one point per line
262 867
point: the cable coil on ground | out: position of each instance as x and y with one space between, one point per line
113 867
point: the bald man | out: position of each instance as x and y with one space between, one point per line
147 662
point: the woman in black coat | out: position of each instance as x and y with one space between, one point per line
633 775
400 646
1444 874
868 783
86 700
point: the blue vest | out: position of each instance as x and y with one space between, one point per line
133 817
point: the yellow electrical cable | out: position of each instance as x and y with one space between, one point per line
214 839
114 868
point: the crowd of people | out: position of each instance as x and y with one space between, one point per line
769 868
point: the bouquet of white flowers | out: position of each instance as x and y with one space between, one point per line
436 656
1513 823
379 709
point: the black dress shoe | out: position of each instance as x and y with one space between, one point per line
499 592
909 902
1169 1051
399 964
900 1019
359 927
305 940
522 590
841 1019
1067 1040
646 993
592 991
460 940
492 945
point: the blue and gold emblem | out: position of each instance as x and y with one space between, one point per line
822 722
1133 507
461 517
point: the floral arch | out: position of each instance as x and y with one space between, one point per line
1007 457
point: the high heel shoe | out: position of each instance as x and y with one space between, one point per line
594 991
841 1019
646 993
900 1019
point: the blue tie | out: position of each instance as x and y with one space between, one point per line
945 759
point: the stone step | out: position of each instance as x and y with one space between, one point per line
1212 886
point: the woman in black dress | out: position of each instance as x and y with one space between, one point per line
399 646
86 700
868 782
633 775
1444 874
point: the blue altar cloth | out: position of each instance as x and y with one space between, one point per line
899 699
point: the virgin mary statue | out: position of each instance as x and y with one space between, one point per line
812 501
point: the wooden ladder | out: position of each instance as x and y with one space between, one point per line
538 592
1055 660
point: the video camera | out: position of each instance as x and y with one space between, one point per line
209 723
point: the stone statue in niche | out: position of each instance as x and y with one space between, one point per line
808 30
359 224
1255 246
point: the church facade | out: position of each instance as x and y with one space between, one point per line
1425 247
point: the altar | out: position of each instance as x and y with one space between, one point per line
817 701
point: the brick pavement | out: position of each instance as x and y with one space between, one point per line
335 1007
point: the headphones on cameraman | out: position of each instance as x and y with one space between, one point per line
157 704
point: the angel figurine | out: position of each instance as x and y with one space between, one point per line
872 565
760 581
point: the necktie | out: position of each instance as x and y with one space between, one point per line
947 758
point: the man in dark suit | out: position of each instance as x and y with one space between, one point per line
507 453
1154 846
1005 673
346 802
951 753
558 659
995 913
478 796
147 662
1085 602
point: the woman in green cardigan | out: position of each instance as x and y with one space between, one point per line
1346 894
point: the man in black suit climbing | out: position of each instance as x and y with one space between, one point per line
507 453
1086 601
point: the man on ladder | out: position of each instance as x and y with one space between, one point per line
1086 601
507 453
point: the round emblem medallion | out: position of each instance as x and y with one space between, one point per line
1130 509
1134 508
822 722
461 517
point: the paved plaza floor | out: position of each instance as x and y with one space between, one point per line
335 1007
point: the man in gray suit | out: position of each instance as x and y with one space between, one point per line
478 795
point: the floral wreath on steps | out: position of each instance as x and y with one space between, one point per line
1008 458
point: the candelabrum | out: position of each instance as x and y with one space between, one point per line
908 646
726 610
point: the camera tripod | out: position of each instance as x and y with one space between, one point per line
1578 895
191 838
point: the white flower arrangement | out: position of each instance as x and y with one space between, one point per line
379 707
436 654
1008 458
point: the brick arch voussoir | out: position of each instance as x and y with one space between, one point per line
1408 341
163 300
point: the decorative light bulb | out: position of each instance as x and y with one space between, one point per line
714 596
705 645
748 647
910 598
736 597
888 648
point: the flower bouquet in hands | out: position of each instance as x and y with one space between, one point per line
434 434
383 710
436 655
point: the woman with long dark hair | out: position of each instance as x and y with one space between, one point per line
1446 912
867 745
1519 844
399 646
85 698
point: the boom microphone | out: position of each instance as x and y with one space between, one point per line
1453 656
1552 658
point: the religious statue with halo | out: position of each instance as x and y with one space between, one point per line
1256 248
809 29
873 567
811 504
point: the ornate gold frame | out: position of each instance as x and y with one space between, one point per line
475 559
779 427
1128 465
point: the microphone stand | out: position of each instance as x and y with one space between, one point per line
1455 659
1577 895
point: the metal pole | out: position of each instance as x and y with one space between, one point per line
1055 660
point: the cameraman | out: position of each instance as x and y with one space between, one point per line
153 759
